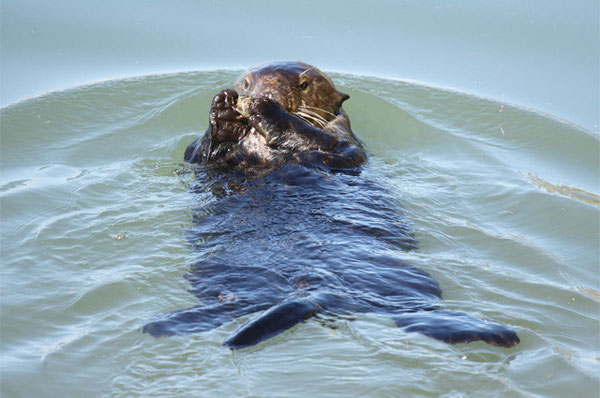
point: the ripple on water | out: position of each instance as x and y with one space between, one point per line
95 207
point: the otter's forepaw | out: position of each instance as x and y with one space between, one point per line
266 116
222 107
263 106
225 122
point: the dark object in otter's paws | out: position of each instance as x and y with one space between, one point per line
292 242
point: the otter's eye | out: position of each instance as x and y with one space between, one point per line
303 86
246 83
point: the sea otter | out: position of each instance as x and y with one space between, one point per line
276 113
290 227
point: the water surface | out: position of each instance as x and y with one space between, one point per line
95 206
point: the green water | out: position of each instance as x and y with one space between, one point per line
504 201
499 176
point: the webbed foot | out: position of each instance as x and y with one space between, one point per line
457 327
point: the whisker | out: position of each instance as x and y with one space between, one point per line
306 71
304 118
314 114
310 112
316 121
310 120
318 109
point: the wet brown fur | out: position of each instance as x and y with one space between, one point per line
295 114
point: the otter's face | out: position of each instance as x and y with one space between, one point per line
301 89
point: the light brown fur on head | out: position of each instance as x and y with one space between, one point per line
300 88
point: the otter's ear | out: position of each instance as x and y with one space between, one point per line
341 98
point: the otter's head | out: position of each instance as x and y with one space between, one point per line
302 89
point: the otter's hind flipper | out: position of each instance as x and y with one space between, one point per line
272 322
456 327
198 319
